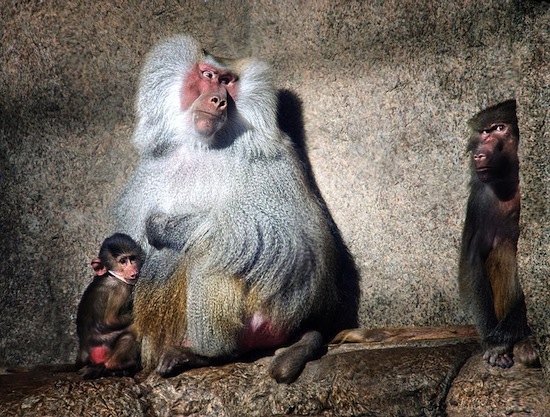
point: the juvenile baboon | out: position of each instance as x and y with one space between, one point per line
488 279
107 338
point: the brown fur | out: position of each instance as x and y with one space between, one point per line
408 334
160 313
502 273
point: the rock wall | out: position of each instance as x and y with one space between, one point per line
534 113
386 89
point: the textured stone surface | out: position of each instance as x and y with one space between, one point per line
372 379
484 391
534 244
346 382
386 89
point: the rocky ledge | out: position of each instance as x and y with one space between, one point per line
405 376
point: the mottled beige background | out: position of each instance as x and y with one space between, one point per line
386 89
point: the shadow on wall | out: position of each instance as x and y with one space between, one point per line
291 121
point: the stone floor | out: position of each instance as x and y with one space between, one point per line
406 377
